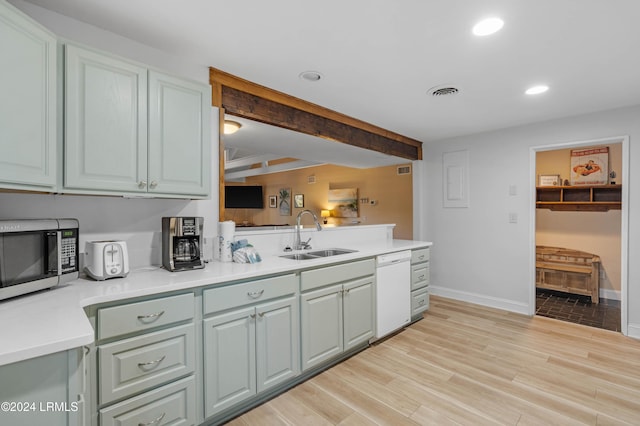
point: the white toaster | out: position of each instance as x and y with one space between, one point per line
106 259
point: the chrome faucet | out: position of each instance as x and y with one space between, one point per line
299 245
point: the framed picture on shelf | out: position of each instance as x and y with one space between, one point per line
590 166
549 180
298 201
273 201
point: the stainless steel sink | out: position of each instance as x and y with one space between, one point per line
299 256
317 254
330 252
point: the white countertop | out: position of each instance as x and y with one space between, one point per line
54 320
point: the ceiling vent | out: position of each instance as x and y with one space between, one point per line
443 91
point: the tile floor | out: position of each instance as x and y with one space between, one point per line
578 309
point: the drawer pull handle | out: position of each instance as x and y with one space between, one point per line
421 257
421 277
150 316
252 315
260 314
255 294
151 363
153 422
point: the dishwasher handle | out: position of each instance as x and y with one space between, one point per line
393 258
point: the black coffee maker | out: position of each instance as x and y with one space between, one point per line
182 243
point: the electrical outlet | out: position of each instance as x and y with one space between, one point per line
373 202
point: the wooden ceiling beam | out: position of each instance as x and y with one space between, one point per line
255 102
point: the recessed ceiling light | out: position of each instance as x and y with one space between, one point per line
488 26
536 90
312 76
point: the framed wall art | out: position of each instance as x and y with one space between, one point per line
298 201
285 201
590 166
345 202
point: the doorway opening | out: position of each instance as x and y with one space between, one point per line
579 236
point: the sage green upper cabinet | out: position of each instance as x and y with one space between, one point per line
105 122
179 147
131 130
27 103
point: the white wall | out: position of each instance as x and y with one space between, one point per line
137 221
478 255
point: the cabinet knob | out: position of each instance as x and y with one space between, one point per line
142 184
260 314
153 184
252 316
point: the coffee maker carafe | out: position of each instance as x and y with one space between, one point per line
182 243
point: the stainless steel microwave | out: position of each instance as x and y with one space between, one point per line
36 254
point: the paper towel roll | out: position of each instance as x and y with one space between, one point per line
226 231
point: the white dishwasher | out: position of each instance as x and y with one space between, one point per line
393 292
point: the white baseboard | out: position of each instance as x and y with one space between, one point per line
633 330
479 299
610 294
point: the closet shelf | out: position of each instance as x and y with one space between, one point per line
592 198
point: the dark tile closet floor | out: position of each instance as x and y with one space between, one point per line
578 309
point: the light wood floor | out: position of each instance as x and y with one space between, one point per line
470 365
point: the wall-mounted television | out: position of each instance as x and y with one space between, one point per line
243 197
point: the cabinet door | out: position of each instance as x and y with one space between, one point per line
27 103
179 133
358 312
277 348
36 384
321 323
105 123
229 359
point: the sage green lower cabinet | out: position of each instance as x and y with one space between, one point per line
145 360
253 345
419 282
336 317
43 391
173 404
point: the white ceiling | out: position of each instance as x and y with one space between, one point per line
378 58
261 142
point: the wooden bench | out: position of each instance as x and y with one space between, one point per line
567 270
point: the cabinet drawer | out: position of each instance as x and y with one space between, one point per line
419 275
234 295
141 316
420 255
135 364
173 404
419 301
335 274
